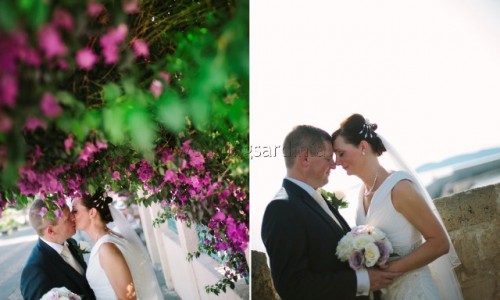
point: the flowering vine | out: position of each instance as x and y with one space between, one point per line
134 95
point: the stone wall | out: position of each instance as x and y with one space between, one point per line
473 221
472 218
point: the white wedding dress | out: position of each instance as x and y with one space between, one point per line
416 284
146 286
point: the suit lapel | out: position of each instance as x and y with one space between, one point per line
306 199
76 255
343 222
57 261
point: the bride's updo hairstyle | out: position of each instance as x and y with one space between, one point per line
355 129
100 201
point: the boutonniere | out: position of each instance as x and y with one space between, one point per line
337 198
82 247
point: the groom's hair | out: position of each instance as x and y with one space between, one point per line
304 137
37 221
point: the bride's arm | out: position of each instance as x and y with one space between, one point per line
117 271
410 203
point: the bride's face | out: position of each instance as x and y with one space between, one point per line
81 215
346 155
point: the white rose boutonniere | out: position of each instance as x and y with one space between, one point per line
84 247
337 198
60 293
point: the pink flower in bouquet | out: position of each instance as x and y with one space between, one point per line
32 123
356 260
8 90
364 246
68 143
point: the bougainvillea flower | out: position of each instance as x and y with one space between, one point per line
85 59
115 175
165 76
49 106
8 90
30 56
43 211
94 9
130 6
63 20
156 88
5 122
68 143
32 123
140 48
50 42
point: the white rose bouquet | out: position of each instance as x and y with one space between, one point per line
364 246
60 293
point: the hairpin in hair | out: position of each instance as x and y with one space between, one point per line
366 131
100 201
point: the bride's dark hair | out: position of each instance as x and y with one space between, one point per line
100 201
355 129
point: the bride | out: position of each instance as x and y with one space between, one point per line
119 266
396 203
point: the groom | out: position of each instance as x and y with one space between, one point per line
51 264
301 230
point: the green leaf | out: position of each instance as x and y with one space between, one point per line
39 13
8 15
92 119
172 113
114 124
142 132
110 92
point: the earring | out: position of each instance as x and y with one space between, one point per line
363 153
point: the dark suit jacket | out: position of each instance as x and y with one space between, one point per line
301 240
46 269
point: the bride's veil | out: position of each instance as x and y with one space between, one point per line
441 268
145 281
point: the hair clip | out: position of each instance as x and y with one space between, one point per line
366 131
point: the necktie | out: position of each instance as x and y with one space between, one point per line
321 201
68 257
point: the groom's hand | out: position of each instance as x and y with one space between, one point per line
380 279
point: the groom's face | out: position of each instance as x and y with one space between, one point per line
320 165
65 226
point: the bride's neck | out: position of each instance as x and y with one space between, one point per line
96 231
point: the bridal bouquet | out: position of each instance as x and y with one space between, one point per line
60 293
364 246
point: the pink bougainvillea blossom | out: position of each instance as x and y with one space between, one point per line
50 42
8 90
62 19
165 76
43 211
5 122
49 106
87 153
101 144
110 42
32 123
94 9
115 175
140 48
85 59
156 88
130 6
144 171
68 143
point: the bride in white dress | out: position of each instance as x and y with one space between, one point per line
396 203
119 266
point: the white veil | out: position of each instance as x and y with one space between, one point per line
145 281
441 268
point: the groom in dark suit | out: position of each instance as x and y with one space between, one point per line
301 230
51 265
